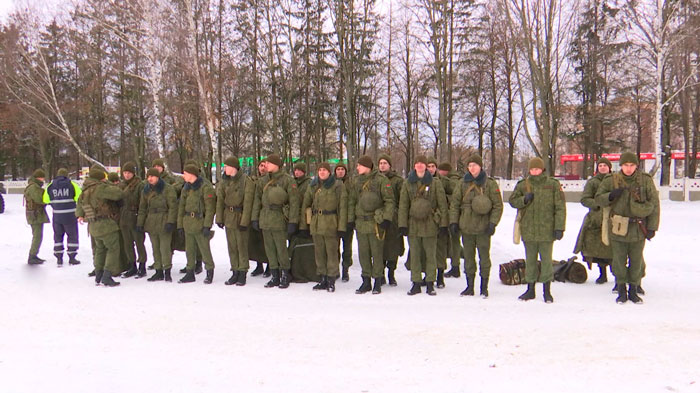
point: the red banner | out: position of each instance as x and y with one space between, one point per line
610 156
681 155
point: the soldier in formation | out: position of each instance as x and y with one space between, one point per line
455 244
341 173
393 241
132 187
256 243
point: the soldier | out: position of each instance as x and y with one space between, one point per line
589 241
393 242
256 243
113 177
443 240
158 210
632 201
195 217
95 206
234 206
370 211
301 244
62 193
35 213
341 173
132 187
175 181
455 247
422 214
327 199
475 210
276 209
542 219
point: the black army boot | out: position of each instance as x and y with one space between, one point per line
152 266
285 279
34 260
484 288
603 278
423 283
345 277
415 289
142 270
377 286
210 276
198 267
547 292
59 260
323 284
188 277
331 284
453 272
107 279
621 294
98 277
131 272
258 270
469 291
614 288
430 289
640 291
365 287
275 280
529 294
233 280
183 270
92 273
241 279
441 278
632 294
391 276
72 260
267 272
168 277
158 276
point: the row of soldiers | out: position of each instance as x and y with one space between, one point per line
442 213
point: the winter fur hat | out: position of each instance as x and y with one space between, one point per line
274 159
629 158
535 162
366 161
385 157
233 162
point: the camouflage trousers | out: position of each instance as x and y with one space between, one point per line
482 244
37 237
107 252
132 237
326 254
532 271
197 241
237 241
628 262
162 250
371 252
427 246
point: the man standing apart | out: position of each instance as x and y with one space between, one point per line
633 203
35 213
542 215
63 193
234 206
195 217
475 210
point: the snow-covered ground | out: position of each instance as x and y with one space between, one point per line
61 333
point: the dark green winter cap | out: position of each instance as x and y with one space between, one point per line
445 166
192 161
325 166
97 173
629 158
386 158
62 172
129 167
113 177
422 159
153 172
605 161
300 166
535 162
366 161
475 158
39 173
158 162
274 159
193 169
432 160
233 162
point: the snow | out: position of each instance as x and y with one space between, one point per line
59 332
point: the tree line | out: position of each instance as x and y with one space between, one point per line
109 81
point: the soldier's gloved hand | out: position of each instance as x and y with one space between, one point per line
181 232
614 194
220 225
242 228
385 224
443 231
650 234
558 234
206 231
341 234
403 231
140 229
292 228
491 229
304 233
528 197
454 228
351 227
255 225
169 227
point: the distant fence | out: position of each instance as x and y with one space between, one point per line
679 190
